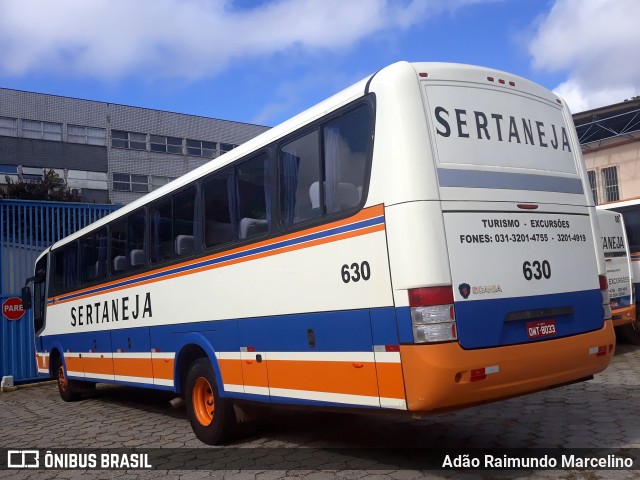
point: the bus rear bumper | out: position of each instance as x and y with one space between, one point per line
623 316
447 377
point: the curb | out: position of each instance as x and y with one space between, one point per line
26 385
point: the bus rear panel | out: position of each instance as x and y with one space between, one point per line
504 289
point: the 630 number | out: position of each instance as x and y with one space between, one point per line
356 272
536 270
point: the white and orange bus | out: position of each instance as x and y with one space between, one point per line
422 241
624 304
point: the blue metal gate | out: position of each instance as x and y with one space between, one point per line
26 229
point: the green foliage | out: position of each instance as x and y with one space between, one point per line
51 188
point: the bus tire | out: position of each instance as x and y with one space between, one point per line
211 417
70 390
631 332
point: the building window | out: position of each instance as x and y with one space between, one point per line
157 182
42 130
200 148
593 183
87 135
610 180
125 182
8 169
165 144
226 147
9 127
134 141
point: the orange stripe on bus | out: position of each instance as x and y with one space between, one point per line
231 371
390 380
133 367
330 377
102 366
163 368
74 364
255 373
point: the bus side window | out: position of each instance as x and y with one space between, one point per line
299 166
136 235
346 144
93 256
65 268
161 231
252 193
184 204
119 260
172 226
219 205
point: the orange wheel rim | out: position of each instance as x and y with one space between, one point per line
203 401
62 380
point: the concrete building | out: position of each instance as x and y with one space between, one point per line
108 152
610 140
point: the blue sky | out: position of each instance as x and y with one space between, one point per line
264 61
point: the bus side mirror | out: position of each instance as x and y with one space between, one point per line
26 298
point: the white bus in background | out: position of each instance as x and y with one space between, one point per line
615 248
630 211
422 241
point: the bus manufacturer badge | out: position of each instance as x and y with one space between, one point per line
465 290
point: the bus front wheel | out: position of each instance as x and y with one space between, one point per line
211 417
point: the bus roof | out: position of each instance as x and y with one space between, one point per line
436 71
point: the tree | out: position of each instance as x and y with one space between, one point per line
52 188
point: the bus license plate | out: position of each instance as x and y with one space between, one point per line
541 328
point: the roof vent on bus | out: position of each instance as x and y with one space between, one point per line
502 81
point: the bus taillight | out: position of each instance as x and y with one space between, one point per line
604 290
433 316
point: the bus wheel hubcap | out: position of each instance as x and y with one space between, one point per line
203 402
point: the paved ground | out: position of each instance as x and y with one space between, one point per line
602 413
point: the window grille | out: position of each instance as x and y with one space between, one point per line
610 179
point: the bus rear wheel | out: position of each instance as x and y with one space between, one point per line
211 417
69 389
631 332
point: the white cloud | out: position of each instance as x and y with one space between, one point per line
111 39
597 44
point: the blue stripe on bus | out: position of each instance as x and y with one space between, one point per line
481 323
449 177
210 262
285 333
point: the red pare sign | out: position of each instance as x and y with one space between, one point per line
12 308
